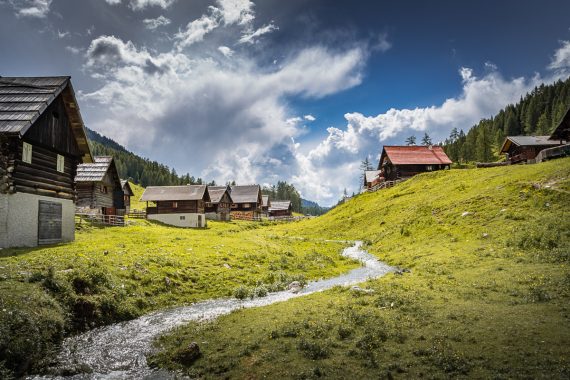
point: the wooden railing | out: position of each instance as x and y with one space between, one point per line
550 153
100 220
137 214
385 185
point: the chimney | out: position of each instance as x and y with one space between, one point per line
430 147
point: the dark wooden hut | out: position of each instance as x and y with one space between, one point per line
99 189
128 193
562 132
372 178
280 209
42 140
247 201
401 162
220 203
523 149
181 206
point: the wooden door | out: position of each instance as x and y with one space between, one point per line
49 222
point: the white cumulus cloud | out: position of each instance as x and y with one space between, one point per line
153 23
31 8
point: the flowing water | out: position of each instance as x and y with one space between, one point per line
119 351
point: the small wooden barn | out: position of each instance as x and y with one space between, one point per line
180 206
372 178
220 203
401 162
42 140
247 201
99 189
523 149
265 203
127 194
280 209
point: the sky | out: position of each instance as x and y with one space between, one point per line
302 91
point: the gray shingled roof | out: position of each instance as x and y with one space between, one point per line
23 99
126 186
245 194
95 171
532 140
175 193
371 175
265 200
216 193
280 205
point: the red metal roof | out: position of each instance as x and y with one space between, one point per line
410 155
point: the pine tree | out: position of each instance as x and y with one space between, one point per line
543 125
411 140
426 140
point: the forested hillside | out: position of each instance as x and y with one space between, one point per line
538 113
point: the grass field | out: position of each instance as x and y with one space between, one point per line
117 273
487 294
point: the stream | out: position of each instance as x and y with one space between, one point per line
118 351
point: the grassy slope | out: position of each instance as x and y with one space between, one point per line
487 296
112 274
138 191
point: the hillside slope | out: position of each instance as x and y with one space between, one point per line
484 293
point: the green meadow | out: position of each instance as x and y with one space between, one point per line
484 292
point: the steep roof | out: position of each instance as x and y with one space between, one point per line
176 193
415 155
265 200
280 205
562 132
217 192
126 186
527 141
371 175
94 172
245 194
24 99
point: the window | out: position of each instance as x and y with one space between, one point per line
27 153
246 205
60 163
174 204
104 189
182 217
429 168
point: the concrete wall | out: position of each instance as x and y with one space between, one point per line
19 219
224 217
179 220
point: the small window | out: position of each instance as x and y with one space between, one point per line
182 217
104 189
60 163
245 205
429 168
174 204
27 153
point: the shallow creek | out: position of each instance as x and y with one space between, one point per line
118 351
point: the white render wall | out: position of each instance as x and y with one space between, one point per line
189 221
19 219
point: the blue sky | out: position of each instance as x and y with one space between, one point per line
260 91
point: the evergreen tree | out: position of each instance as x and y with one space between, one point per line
426 140
543 125
411 140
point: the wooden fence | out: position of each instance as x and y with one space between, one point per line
385 185
137 214
100 220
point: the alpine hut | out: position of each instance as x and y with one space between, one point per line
372 178
524 149
128 193
42 140
247 201
219 206
280 209
99 189
401 162
180 206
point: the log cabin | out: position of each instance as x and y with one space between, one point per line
280 209
99 189
265 203
180 206
42 140
128 193
402 162
562 131
372 178
247 201
524 149
220 203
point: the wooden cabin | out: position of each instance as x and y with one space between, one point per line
562 132
42 140
265 203
280 209
127 194
247 201
180 206
524 149
372 178
401 162
220 203
99 189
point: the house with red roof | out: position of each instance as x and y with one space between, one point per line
401 162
